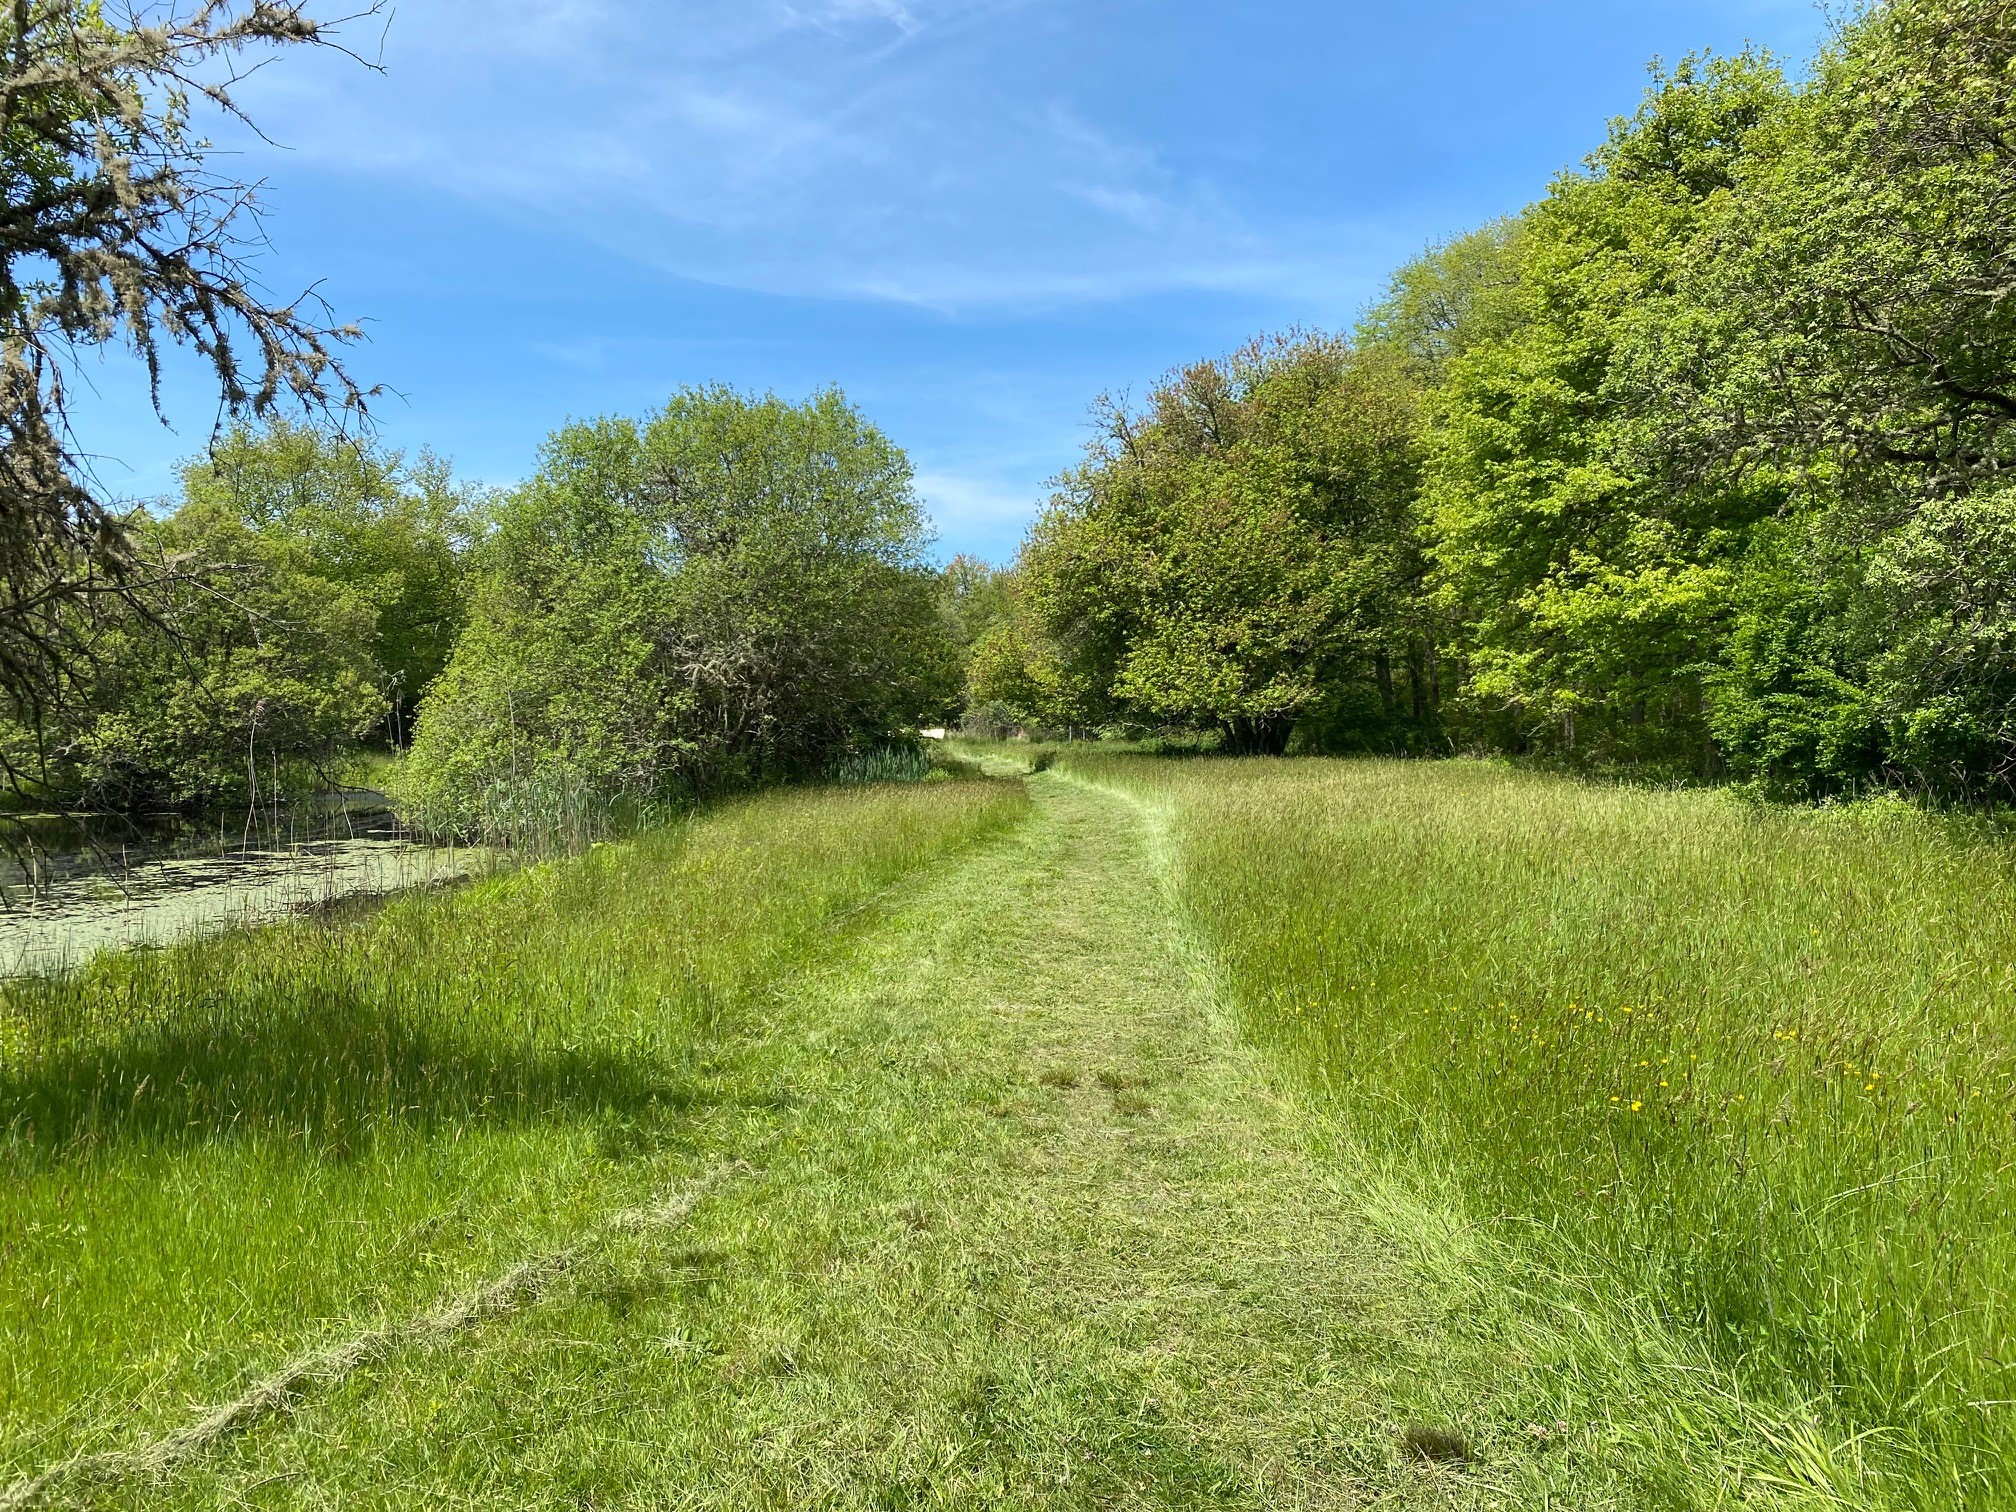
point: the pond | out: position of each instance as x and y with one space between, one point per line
71 889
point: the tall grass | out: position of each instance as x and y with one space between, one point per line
537 816
553 812
890 762
210 1155
1743 1074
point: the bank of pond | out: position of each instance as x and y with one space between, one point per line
74 887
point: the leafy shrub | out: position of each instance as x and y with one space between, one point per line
730 592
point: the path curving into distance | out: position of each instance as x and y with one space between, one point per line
1021 1225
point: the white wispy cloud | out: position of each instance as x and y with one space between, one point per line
881 149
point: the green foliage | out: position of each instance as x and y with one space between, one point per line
995 691
1693 466
1017 677
1438 307
974 598
125 231
265 683
391 531
730 591
1225 558
296 599
1714 499
1942 596
1588 582
1863 262
552 690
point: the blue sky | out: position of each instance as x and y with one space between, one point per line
973 215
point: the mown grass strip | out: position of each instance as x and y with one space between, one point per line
1032 1233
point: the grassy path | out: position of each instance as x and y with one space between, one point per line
1010 1221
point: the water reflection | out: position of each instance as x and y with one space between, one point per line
70 890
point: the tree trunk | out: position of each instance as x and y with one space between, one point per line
1261 736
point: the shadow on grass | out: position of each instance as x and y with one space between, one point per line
333 1076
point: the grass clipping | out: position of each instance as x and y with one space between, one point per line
520 1287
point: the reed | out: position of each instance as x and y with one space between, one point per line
891 762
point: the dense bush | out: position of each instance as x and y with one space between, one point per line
730 591
392 531
265 682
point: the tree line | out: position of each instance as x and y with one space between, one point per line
1693 465
731 591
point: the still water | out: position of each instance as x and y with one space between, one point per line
70 891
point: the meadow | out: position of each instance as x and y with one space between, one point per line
1730 1086
218 1155
1128 1129
801 1114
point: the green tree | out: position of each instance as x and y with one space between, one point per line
1863 268
1858 343
122 230
804 615
1234 554
392 531
1591 577
267 683
1018 678
973 597
1703 454
1443 304
732 590
557 689
1941 596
